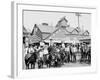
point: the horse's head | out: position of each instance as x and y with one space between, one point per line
28 55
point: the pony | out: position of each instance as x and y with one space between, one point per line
40 58
47 60
30 59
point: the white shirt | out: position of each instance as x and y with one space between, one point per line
25 51
45 51
67 49
74 49
31 50
41 53
57 50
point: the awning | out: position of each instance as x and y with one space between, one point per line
34 39
56 41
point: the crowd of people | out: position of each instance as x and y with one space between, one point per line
37 56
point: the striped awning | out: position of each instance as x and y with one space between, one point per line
34 39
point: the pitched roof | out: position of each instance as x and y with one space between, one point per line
62 22
45 28
75 31
86 33
78 29
59 33
25 32
63 19
36 34
45 35
24 29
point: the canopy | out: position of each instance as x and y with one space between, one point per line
34 39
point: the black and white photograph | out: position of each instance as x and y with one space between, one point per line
56 39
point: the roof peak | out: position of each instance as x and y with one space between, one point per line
62 22
63 18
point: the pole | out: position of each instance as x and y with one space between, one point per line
78 15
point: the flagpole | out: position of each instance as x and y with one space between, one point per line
78 16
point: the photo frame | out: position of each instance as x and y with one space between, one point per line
17 12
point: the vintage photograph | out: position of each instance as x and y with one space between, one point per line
54 39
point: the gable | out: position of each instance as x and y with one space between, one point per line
59 34
75 31
78 29
62 22
86 33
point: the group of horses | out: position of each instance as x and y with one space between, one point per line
54 58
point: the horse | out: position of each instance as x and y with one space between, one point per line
89 56
52 59
62 56
27 56
58 60
30 58
47 60
44 58
40 58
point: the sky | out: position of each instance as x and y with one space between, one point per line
37 17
